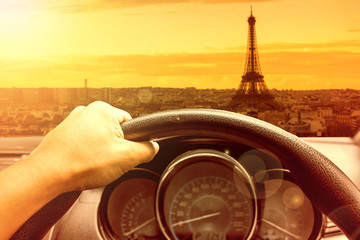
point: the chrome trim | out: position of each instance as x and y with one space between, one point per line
330 229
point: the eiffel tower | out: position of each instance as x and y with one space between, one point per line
252 92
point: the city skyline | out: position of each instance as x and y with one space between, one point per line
35 111
173 43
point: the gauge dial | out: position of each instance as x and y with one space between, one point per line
210 207
138 220
287 213
206 194
127 207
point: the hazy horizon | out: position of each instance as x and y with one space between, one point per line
89 87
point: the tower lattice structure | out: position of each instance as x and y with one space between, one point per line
252 91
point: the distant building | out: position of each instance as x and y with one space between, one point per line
46 95
344 123
30 95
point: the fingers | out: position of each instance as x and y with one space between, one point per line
145 151
123 115
104 107
140 152
156 146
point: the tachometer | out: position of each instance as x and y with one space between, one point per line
137 219
127 210
206 194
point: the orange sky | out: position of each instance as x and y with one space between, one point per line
303 44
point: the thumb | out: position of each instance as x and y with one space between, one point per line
141 152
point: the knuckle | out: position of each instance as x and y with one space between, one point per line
97 104
78 109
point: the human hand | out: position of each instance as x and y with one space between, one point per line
88 149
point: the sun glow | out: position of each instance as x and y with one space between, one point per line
197 43
15 16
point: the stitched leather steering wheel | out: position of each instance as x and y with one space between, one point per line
323 182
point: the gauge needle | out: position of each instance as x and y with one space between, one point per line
281 229
139 227
196 219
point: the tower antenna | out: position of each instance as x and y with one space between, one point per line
252 92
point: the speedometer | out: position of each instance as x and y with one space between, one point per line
206 194
210 207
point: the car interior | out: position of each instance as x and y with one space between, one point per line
218 175
221 172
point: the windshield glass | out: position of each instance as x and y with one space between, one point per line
291 63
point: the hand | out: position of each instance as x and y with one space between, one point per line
88 149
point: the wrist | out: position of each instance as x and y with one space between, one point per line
46 175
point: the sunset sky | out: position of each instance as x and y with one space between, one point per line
303 44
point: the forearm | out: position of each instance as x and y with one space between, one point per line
26 187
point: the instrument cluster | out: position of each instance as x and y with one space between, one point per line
208 189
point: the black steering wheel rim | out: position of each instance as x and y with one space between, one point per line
323 182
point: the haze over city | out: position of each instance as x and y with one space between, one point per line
302 44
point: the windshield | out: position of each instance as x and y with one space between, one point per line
291 63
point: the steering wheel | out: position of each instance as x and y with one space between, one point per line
324 183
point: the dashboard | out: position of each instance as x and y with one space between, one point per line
208 189
218 175
200 189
